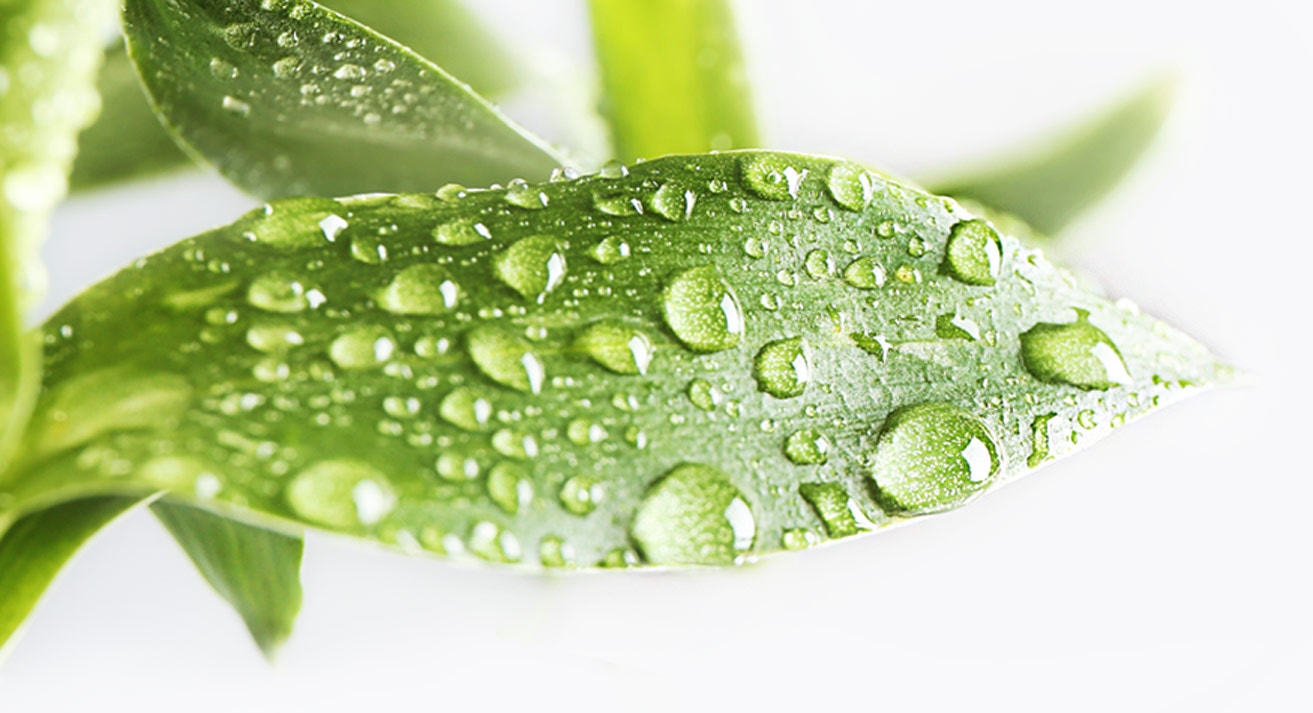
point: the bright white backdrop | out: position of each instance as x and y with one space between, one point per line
1166 569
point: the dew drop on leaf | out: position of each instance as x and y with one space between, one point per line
457 467
673 202
277 292
932 457
1077 354
702 310
509 486
507 359
782 368
466 408
419 290
533 267
694 516
838 513
461 232
864 273
362 348
850 185
618 347
973 254
771 177
610 250
581 495
340 493
807 447
703 395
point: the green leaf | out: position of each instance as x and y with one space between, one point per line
129 142
257 571
37 546
1050 185
289 98
48 56
673 77
706 359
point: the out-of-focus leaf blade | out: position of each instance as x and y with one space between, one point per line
289 98
702 360
36 547
672 76
49 50
1050 185
257 571
129 142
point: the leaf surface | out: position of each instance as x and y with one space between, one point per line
36 547
673 77
707 359
257 571
129 142
1050 185
289 98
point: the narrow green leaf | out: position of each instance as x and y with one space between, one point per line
673 77
129 142
49 50
703 360
289 98
37 546
257 571
1050 185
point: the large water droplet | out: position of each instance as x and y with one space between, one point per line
507 359
532 267
974 253
419 290
782 368
771 176
341 494
932 457
278 292
618 347
703 311
807 447
694 516
1079 354
509 486
466 408
581 495
362 348
850 185
864 273
673 202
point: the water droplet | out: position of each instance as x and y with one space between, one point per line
1039 440
703 311
617 204
673 202
770 176
509 487
582 432
532 267
362 348
952 326
466 408
461 232
273 338
864 273
1078 354
581 495
886 229
512 444
401 406
613 169
341 494
694 516
932 457
618 347
236 107
369 250
419 290
782 368
610 250
522 195
278 292
874 344
850 185
222 70
807 447
703 394
973 254
332 225
350 71
507 359
457 467
838 513
907 274
818 264
915 246
798 538
1085 419
489 541
555 552
451 193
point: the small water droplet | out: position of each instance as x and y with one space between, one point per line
754 247
886 229
522 195
341 494
932 457
582 432
953 326
798 538
618 347
457 467
419 290
278 292
702 310
1039 440
694 516
369 250
807 447
613 169
1086 419
864 273
513 444
236 106
401 406
974 253
461 232
610 250
222 69
673 202
837 511
581 495
466 408
507 359
915 246
273 338
782 368
509 486
362 348
490 542
703 394
350 71
553 551
818 264
851 186
770 176
532 266
1078 354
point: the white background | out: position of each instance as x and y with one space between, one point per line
1166 569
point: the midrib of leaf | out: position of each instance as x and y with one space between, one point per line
673 77
169 392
